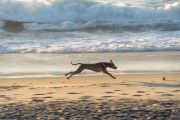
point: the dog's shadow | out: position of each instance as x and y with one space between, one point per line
151 84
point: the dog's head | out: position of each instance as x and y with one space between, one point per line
112 65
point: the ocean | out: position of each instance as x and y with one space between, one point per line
42 37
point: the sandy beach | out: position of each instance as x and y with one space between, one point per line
40 39
130 96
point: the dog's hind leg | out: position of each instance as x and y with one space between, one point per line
79 70
69 73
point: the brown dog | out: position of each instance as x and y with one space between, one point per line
97 67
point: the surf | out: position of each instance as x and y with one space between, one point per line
61 11
19 15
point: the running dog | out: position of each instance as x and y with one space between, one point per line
97 67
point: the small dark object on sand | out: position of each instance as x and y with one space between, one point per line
164 78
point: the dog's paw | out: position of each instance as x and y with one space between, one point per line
114 77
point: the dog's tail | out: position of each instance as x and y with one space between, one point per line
76 63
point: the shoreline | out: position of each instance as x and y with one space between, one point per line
27 64
89 75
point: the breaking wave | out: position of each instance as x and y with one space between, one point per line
78 14
73 26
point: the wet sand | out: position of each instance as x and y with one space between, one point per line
135 96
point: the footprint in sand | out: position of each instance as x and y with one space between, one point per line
107 96
2 96
140 91
127 85
117 90
159 92
137 95
50 93
73 93
109 92
175 91
85 97
48 97
55 87
37 100
32 88
167 95
17 94
39 94
124 94
105 86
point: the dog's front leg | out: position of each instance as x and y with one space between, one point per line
106 72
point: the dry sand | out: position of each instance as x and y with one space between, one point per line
137 96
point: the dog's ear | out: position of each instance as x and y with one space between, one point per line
111 61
